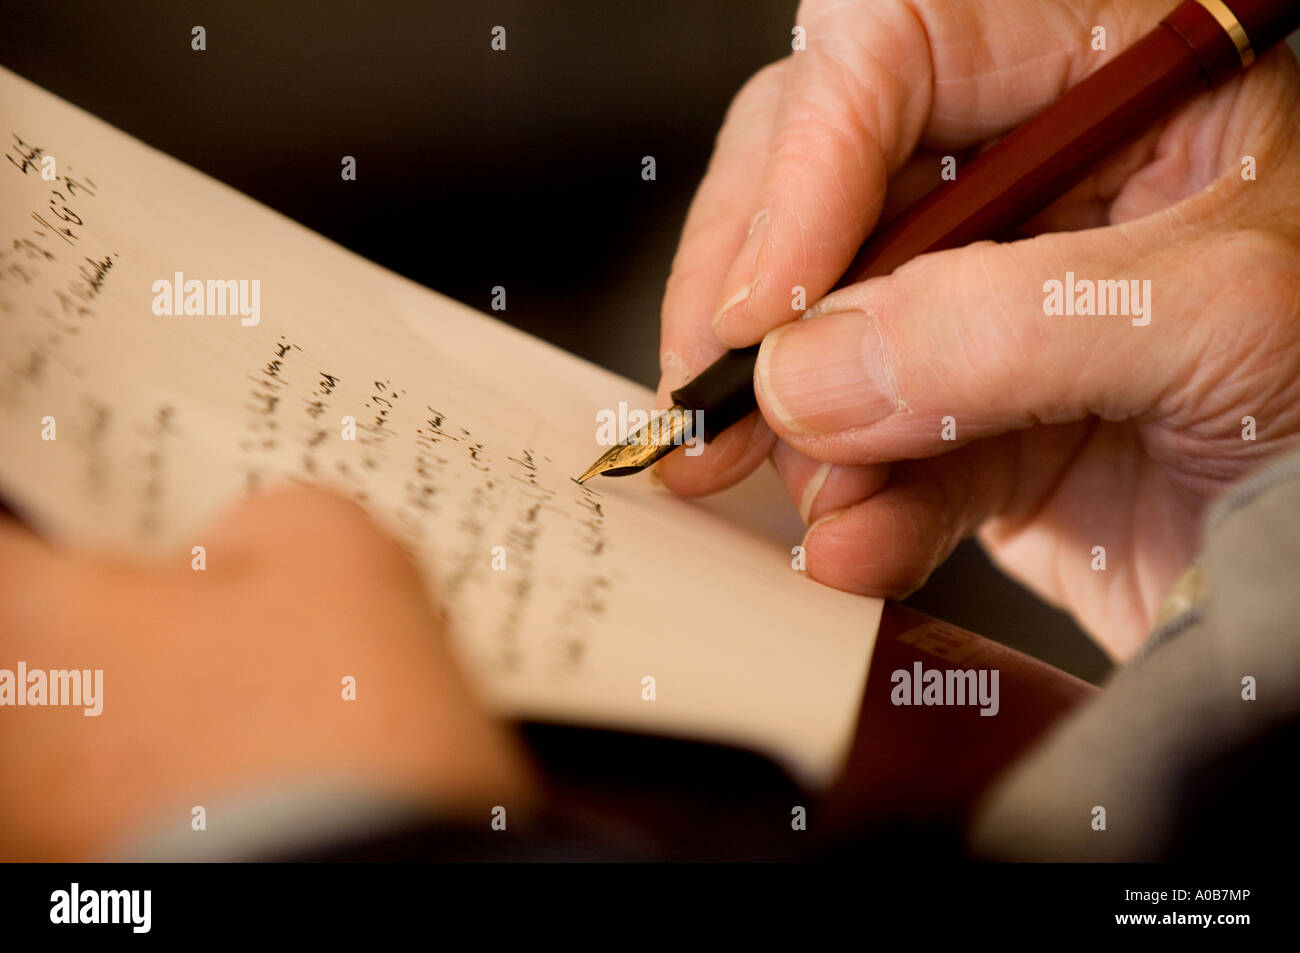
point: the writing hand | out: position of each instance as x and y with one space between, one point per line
1070 432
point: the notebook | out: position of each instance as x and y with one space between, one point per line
171 346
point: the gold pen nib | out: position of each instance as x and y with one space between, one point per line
643 446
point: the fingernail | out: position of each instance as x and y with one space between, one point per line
826 374
672 375
744 271
811 489
672 369
824 518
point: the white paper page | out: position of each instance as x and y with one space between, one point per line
467 436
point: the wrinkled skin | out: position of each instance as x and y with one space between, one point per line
1071 432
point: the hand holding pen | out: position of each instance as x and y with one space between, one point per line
976 389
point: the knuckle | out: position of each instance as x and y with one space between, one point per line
755 98
760 86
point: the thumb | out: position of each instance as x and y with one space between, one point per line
977 341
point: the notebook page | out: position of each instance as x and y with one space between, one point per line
190 346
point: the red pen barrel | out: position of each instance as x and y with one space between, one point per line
1046 155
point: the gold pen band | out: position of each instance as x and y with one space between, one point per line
1232 26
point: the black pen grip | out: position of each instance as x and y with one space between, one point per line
724 391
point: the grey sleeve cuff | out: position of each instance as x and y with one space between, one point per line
1211 680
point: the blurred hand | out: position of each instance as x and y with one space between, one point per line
1071 432
228 681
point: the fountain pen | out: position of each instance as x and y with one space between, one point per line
1200 44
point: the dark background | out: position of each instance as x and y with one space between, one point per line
475 168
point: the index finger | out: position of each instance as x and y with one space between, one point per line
721 215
